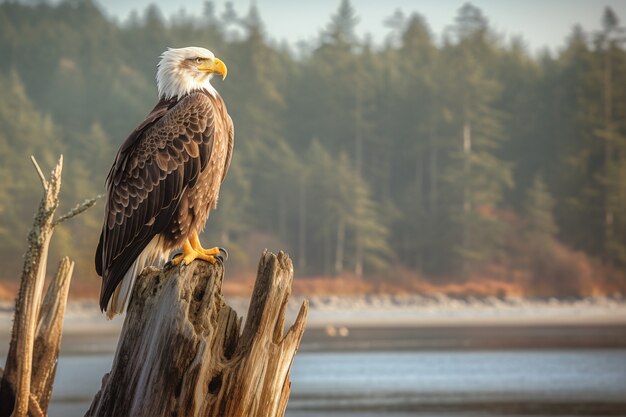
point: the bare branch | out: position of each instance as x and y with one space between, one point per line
77 210
44 182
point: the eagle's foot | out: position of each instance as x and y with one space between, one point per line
215 251
190 257
190 254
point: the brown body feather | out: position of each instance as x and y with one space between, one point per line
165 180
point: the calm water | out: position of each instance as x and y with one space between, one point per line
424 383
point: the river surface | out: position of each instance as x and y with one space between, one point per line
417 383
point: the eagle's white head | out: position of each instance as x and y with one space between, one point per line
183 70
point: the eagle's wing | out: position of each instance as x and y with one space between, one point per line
145 184
231 144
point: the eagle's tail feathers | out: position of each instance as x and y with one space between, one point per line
152 255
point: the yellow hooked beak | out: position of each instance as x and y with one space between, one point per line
214 67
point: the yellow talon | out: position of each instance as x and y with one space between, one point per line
190 254
197 246
204 257
212 251
186 256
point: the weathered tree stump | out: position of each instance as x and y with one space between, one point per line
182 351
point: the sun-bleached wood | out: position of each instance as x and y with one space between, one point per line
19 361
49 331
183 352
26 381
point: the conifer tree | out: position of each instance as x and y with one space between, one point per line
477 178
539 212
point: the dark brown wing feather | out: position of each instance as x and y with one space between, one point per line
151 170
159 111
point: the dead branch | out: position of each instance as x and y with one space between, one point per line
42 177
26 383
79 208
19 361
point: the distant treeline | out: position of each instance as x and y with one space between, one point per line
447 156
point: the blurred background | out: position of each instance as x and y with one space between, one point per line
449 179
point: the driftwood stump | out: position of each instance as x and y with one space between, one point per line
182 351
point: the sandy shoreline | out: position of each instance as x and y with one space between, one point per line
83 316
399 323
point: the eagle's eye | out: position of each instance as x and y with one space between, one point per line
198 60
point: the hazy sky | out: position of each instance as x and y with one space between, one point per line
539 22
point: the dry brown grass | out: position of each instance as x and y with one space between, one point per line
8 290
350 285
540 270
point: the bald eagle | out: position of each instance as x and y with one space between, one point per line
166 176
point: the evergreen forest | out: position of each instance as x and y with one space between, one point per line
450 157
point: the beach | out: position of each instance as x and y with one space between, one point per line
410 356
